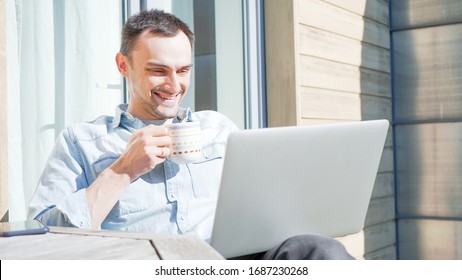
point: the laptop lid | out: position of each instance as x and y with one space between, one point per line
286 181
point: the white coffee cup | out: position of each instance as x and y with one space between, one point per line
186 142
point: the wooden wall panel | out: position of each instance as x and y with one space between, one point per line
373 9
342 73
387 253
328 74
384 185
380 210
281 70
335 19
373 107
386 163
383 232
331 46
320 103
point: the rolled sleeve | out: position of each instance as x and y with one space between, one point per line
75 208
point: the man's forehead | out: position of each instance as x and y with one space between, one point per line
173 52
148 39
147 34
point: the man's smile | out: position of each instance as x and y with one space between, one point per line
166 96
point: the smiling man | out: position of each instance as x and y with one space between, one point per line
158 71
114 172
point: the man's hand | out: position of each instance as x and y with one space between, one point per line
146 148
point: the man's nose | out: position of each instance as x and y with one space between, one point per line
173 83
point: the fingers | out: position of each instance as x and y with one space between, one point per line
159 138
146 148
153 140
164 152
154 130
152 135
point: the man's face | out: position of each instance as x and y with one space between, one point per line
158 75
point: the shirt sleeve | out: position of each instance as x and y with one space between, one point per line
60 196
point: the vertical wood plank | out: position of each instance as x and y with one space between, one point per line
3 113
281 63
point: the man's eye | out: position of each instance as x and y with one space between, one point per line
157 71
184 71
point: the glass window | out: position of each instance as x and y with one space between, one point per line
218 80
61 70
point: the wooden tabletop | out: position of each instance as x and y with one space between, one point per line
63 243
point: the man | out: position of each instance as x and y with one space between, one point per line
113 172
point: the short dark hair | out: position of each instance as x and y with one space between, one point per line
157 22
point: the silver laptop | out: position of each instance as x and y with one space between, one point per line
282 182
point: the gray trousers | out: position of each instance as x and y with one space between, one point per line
304 247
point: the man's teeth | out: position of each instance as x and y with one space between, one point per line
167 96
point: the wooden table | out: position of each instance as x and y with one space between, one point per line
63 243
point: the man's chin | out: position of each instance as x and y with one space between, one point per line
167 114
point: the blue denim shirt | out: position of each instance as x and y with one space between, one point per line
171 198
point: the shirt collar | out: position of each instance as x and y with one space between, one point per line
184 115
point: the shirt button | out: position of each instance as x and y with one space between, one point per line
172 195
182 217
81 224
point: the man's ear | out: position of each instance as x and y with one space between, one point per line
122 63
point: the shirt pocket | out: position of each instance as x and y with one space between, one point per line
137 197
206 173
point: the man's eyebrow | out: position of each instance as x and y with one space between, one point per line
155 64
